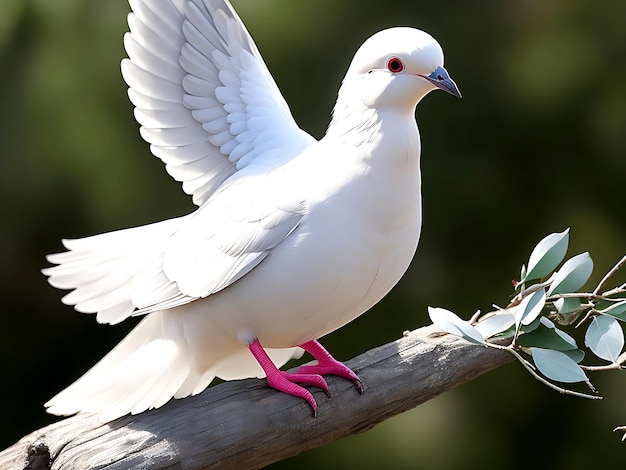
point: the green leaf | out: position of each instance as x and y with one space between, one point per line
567 304
495 324
603 304
564 336
556 365
575 355
546 336
515 330
547 255
530 307
569 310
617 310
451 323
572 275
531 327
605 337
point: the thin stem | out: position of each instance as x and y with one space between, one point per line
571 295
618 290
475 317
612 366
608 275
590 295
527 364
621 429
617 364
586 317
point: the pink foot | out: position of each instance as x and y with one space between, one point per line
284 381
308 375
327 365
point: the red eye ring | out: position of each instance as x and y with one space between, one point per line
395 65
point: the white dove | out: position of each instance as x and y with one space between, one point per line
293 237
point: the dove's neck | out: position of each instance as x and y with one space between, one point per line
356 123
350 122
364 127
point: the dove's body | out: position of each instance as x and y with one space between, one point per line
296 240
350 248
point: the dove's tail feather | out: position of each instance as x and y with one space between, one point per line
153 364
116 273
143 371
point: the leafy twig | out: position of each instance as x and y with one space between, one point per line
553 356
530 368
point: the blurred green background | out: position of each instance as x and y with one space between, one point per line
537 144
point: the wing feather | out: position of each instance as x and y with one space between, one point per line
146 60
148 102
197 80
171 263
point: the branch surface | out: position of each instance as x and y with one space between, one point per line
245 424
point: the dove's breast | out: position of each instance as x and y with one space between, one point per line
356 239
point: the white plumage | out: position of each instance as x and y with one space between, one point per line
292 237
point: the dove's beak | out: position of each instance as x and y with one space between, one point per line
442 80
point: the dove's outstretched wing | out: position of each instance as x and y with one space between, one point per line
211 111
171 263
204 97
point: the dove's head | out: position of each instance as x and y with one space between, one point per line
396 68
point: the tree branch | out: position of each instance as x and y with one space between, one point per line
245 424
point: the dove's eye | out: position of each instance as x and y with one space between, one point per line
395 65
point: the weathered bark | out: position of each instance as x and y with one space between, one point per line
245 424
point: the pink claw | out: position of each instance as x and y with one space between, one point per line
327 364
284 381
309 375
308 379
